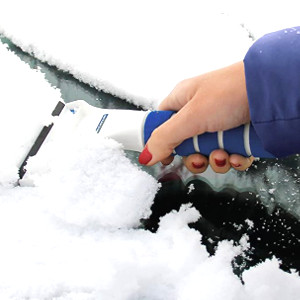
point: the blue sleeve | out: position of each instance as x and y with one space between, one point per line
272 70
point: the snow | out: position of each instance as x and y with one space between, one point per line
71 229
93 181
18 119
265 288
261 17
161 42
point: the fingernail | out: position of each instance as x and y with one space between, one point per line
236 165
145 156
220 162
198 165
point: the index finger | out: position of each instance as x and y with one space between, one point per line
170 103
179 97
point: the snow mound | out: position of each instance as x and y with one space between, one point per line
89 182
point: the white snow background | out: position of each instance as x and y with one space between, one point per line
71 231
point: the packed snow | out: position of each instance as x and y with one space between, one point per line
71 229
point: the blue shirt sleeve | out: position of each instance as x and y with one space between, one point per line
272 70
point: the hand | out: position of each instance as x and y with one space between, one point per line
207 103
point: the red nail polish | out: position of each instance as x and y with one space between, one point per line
198 165
220 162
236 165
145 156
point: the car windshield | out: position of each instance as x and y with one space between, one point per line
267 196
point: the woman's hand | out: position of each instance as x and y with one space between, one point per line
207 103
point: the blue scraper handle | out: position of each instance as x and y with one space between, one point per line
242 140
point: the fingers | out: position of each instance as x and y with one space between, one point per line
180 96
167 160
219 161
196 163
165 138
239 162
203 106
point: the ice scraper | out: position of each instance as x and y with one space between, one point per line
133 128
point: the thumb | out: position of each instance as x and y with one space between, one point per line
169 135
